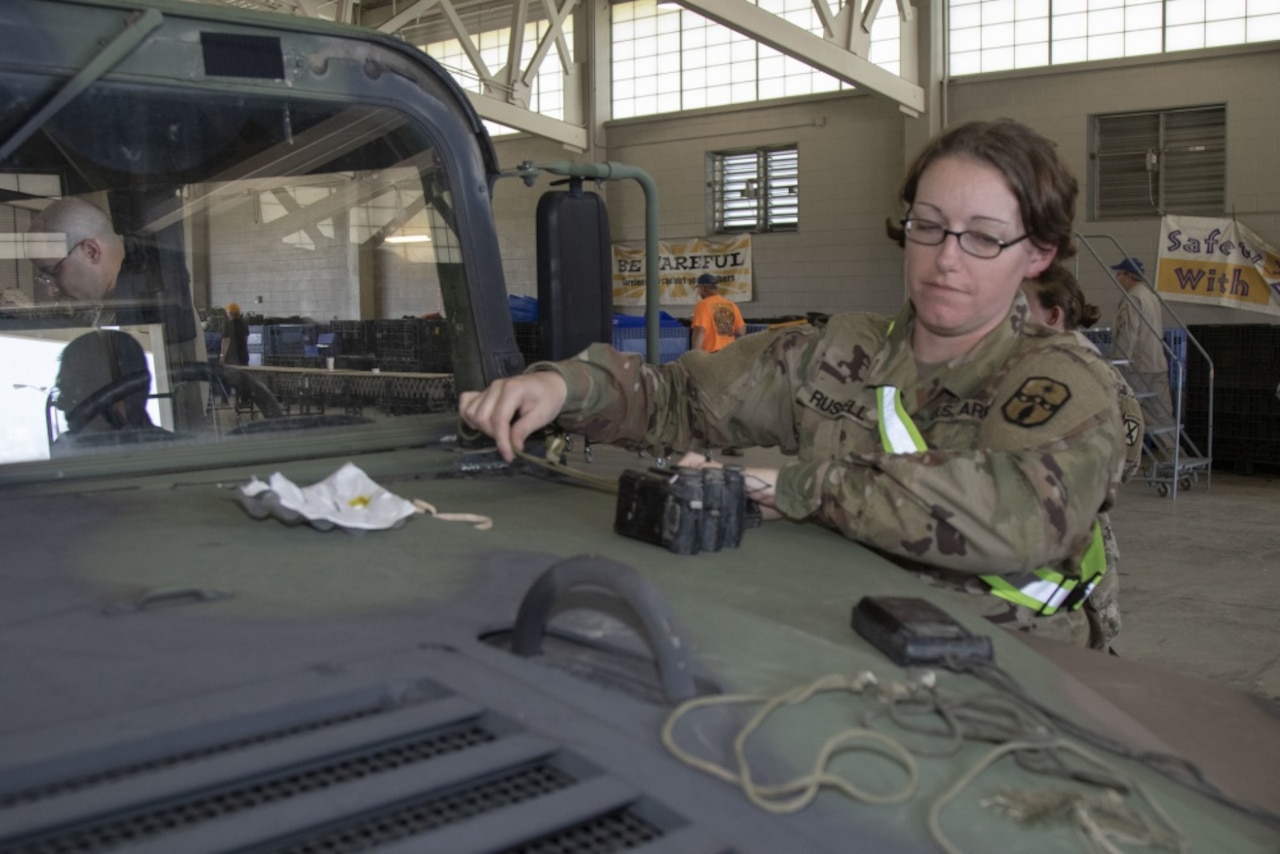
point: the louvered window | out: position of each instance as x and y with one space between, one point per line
755 190
1152 163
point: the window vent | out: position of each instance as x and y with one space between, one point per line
754 191
1147 164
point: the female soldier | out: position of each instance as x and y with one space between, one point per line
949 438
1055 299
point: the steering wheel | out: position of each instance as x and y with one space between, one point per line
107 396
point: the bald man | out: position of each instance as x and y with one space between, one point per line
89 270
97 269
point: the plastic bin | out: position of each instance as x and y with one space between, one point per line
1176 339
673 341
1101 338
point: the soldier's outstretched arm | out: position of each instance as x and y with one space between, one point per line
513 407
1026 497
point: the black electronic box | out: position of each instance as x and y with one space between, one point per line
910 630
685 510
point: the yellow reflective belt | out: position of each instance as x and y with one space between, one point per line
1042 590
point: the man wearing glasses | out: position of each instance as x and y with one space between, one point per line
123 284
89 270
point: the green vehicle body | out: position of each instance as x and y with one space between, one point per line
178 675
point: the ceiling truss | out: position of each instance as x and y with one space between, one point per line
840 51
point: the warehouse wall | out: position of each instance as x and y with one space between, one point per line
852 156
850 162
515 206
1059 104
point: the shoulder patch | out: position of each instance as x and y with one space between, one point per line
1132 431
1036 402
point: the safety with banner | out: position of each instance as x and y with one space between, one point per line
1215 261
680 264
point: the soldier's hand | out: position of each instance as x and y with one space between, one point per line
760 482
513 407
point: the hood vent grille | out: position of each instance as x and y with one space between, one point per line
145 824
617 831
432 813
125 772
442 774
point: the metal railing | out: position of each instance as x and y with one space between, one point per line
1182 469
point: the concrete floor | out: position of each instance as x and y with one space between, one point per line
1200 574
1200 579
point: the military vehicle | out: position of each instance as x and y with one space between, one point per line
186 667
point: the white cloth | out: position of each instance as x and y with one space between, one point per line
348 498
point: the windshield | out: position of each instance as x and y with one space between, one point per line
180 268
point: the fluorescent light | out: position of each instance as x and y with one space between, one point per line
409 238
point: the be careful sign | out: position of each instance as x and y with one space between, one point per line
680 264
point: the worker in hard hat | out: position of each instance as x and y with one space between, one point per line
235 351
235 337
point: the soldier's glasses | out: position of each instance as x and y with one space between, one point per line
975 243
50 276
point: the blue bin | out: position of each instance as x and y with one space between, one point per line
1176 339
1101 338
523 309
673 341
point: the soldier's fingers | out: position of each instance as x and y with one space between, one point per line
466 401
697 460
513 407
482 410
473 408
691 459
539 399
761 483
520 430
503 405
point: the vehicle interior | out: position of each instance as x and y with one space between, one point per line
332 224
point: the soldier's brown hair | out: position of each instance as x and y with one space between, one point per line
1058 288
1043 185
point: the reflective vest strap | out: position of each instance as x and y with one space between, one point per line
1046 590
898 433
1094 563
1043 590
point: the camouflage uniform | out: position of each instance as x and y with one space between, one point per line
1025 436
1139 337
1103 606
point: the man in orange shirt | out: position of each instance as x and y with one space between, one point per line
717 323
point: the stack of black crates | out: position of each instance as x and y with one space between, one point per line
412 345
286 345
409 345
1246 411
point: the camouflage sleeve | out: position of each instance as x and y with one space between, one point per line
692 402
1025 496
1132 423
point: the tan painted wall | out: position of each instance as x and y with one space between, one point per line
851 158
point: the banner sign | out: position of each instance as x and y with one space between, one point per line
680 263
1217 262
